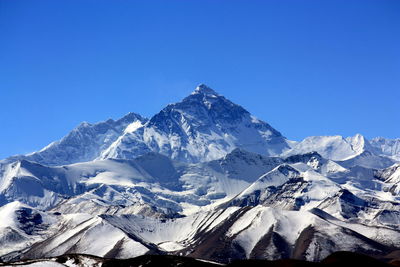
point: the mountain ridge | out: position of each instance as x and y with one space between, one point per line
106 139
184 130
203 178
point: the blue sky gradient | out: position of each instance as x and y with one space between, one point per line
306 67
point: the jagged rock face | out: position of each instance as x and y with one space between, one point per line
283 196
391 177
262 232
390 174
304 158
203 111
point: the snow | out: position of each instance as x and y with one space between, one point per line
12 170
90 235
84 143
392 174
254 224
83 262
213 262
330 147
14 234
43 264
7 214
170 246
332 167
275 177
126 184
198 129
150 179
133 127
204 89
77 261
387 147
319 189
102 238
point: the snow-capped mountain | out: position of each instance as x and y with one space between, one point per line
155 205
387 147
85 142
332 147
201 178
351 151
204 126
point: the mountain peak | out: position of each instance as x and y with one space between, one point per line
205 90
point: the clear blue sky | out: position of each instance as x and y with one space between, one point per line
306 67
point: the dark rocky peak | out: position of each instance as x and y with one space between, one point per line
313 159
29 220
251 158
205 108
241 153
287 170
387 173
304 157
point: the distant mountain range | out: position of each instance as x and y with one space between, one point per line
202 178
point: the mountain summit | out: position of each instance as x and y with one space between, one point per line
203 126
205 90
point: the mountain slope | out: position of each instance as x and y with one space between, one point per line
204 126
151 184
387 147
84 143
350 151
219 235
331 147
202 178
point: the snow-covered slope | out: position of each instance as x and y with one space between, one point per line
391 178
387 147
243 165
294 187
204 126
368 160
350 151
88 235
21 226
218 235
263 207
151 184
390 174
331 147
263 232
42 186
